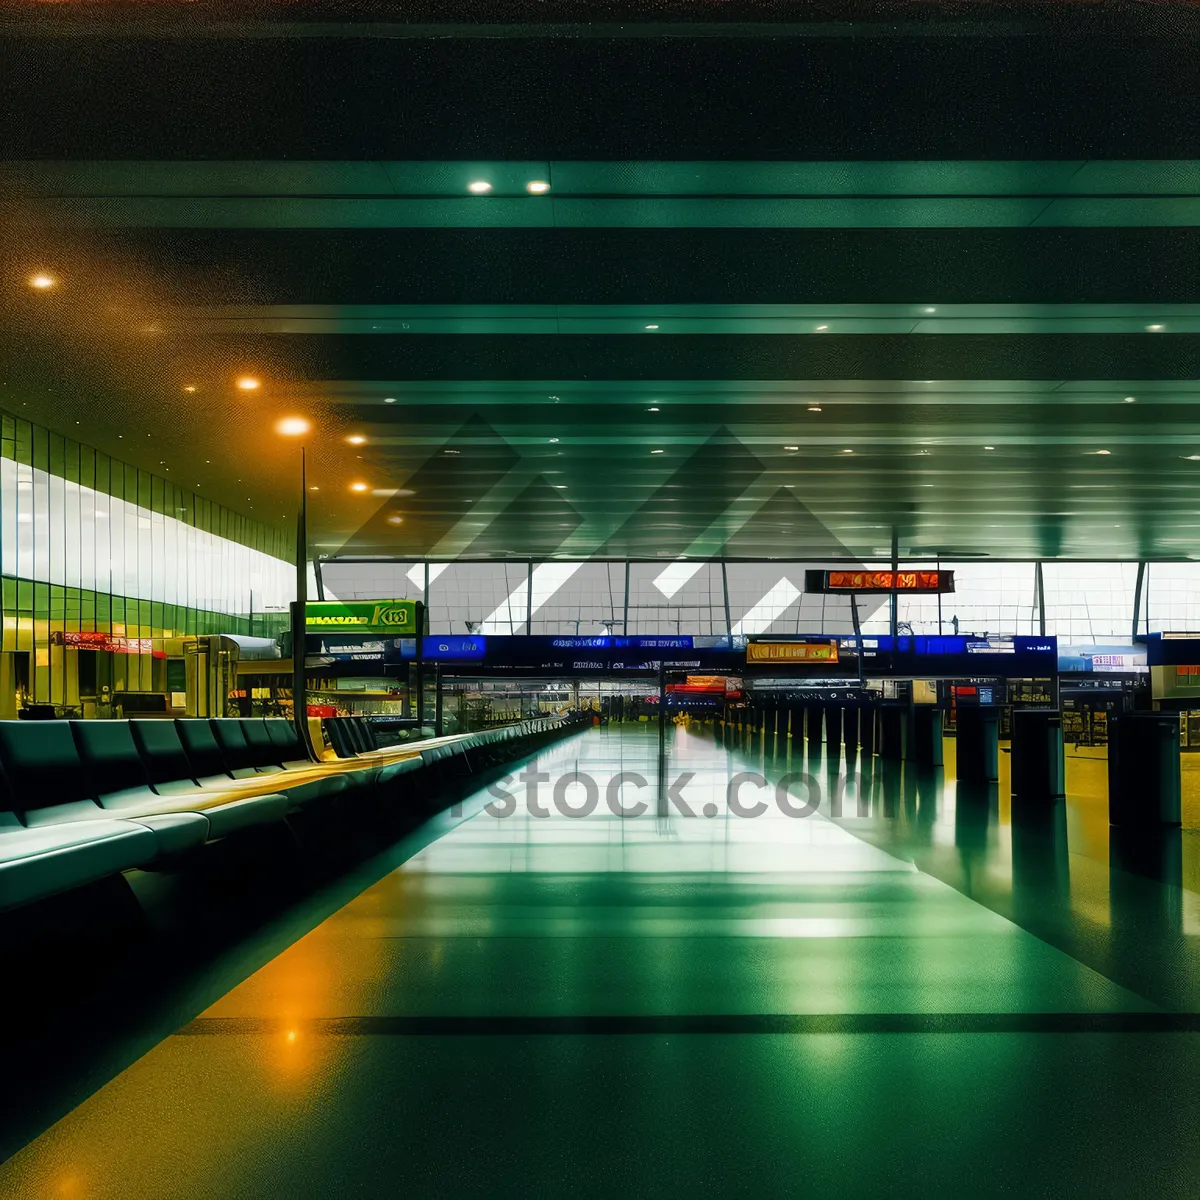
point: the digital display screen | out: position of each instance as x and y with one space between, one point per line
843 582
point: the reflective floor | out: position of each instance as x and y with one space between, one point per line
915 997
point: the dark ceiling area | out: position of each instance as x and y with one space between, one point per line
762 284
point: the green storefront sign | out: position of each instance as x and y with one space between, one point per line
397 617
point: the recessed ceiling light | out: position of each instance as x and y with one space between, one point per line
356 439
1191 457
358 487
314 488
389 399
292 426
989 447
652 410
929 310
449 451
248 383
651 326
655 451
395 519
41 282
1130 399
1099 451
814 408
479 187
847 451
553 441
1155 328
791 447
539 187
822 328
189 388
561 486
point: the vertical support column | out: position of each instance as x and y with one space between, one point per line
866 728
891 732
925 725
529 600
851 715
299 616
833 730
625 607
1040 586
662 740
725 593
813 723
1137 597
893 599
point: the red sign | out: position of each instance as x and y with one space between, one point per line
77 640
879 581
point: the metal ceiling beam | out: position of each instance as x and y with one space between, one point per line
533 212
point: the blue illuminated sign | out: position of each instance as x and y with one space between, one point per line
457 647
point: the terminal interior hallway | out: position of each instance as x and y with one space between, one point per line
918 1000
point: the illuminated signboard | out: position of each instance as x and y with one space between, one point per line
777 652
104 641
846 582
374 616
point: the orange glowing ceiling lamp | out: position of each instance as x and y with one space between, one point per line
42 282
247 383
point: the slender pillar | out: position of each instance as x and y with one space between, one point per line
299 615
925 729
891 732
813 723
833 730
866 728
851 715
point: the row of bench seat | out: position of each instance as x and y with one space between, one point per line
81 800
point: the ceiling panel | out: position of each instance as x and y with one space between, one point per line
745 319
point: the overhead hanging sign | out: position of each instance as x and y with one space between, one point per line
858 582
808 651
373 616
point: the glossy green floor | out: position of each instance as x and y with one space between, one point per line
674 1006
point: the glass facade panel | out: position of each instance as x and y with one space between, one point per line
86 543
685 596
988 597
486 597
1171 601
1085 601
579 598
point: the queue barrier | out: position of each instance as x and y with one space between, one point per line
84 800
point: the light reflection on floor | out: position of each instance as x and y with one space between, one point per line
308 1080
